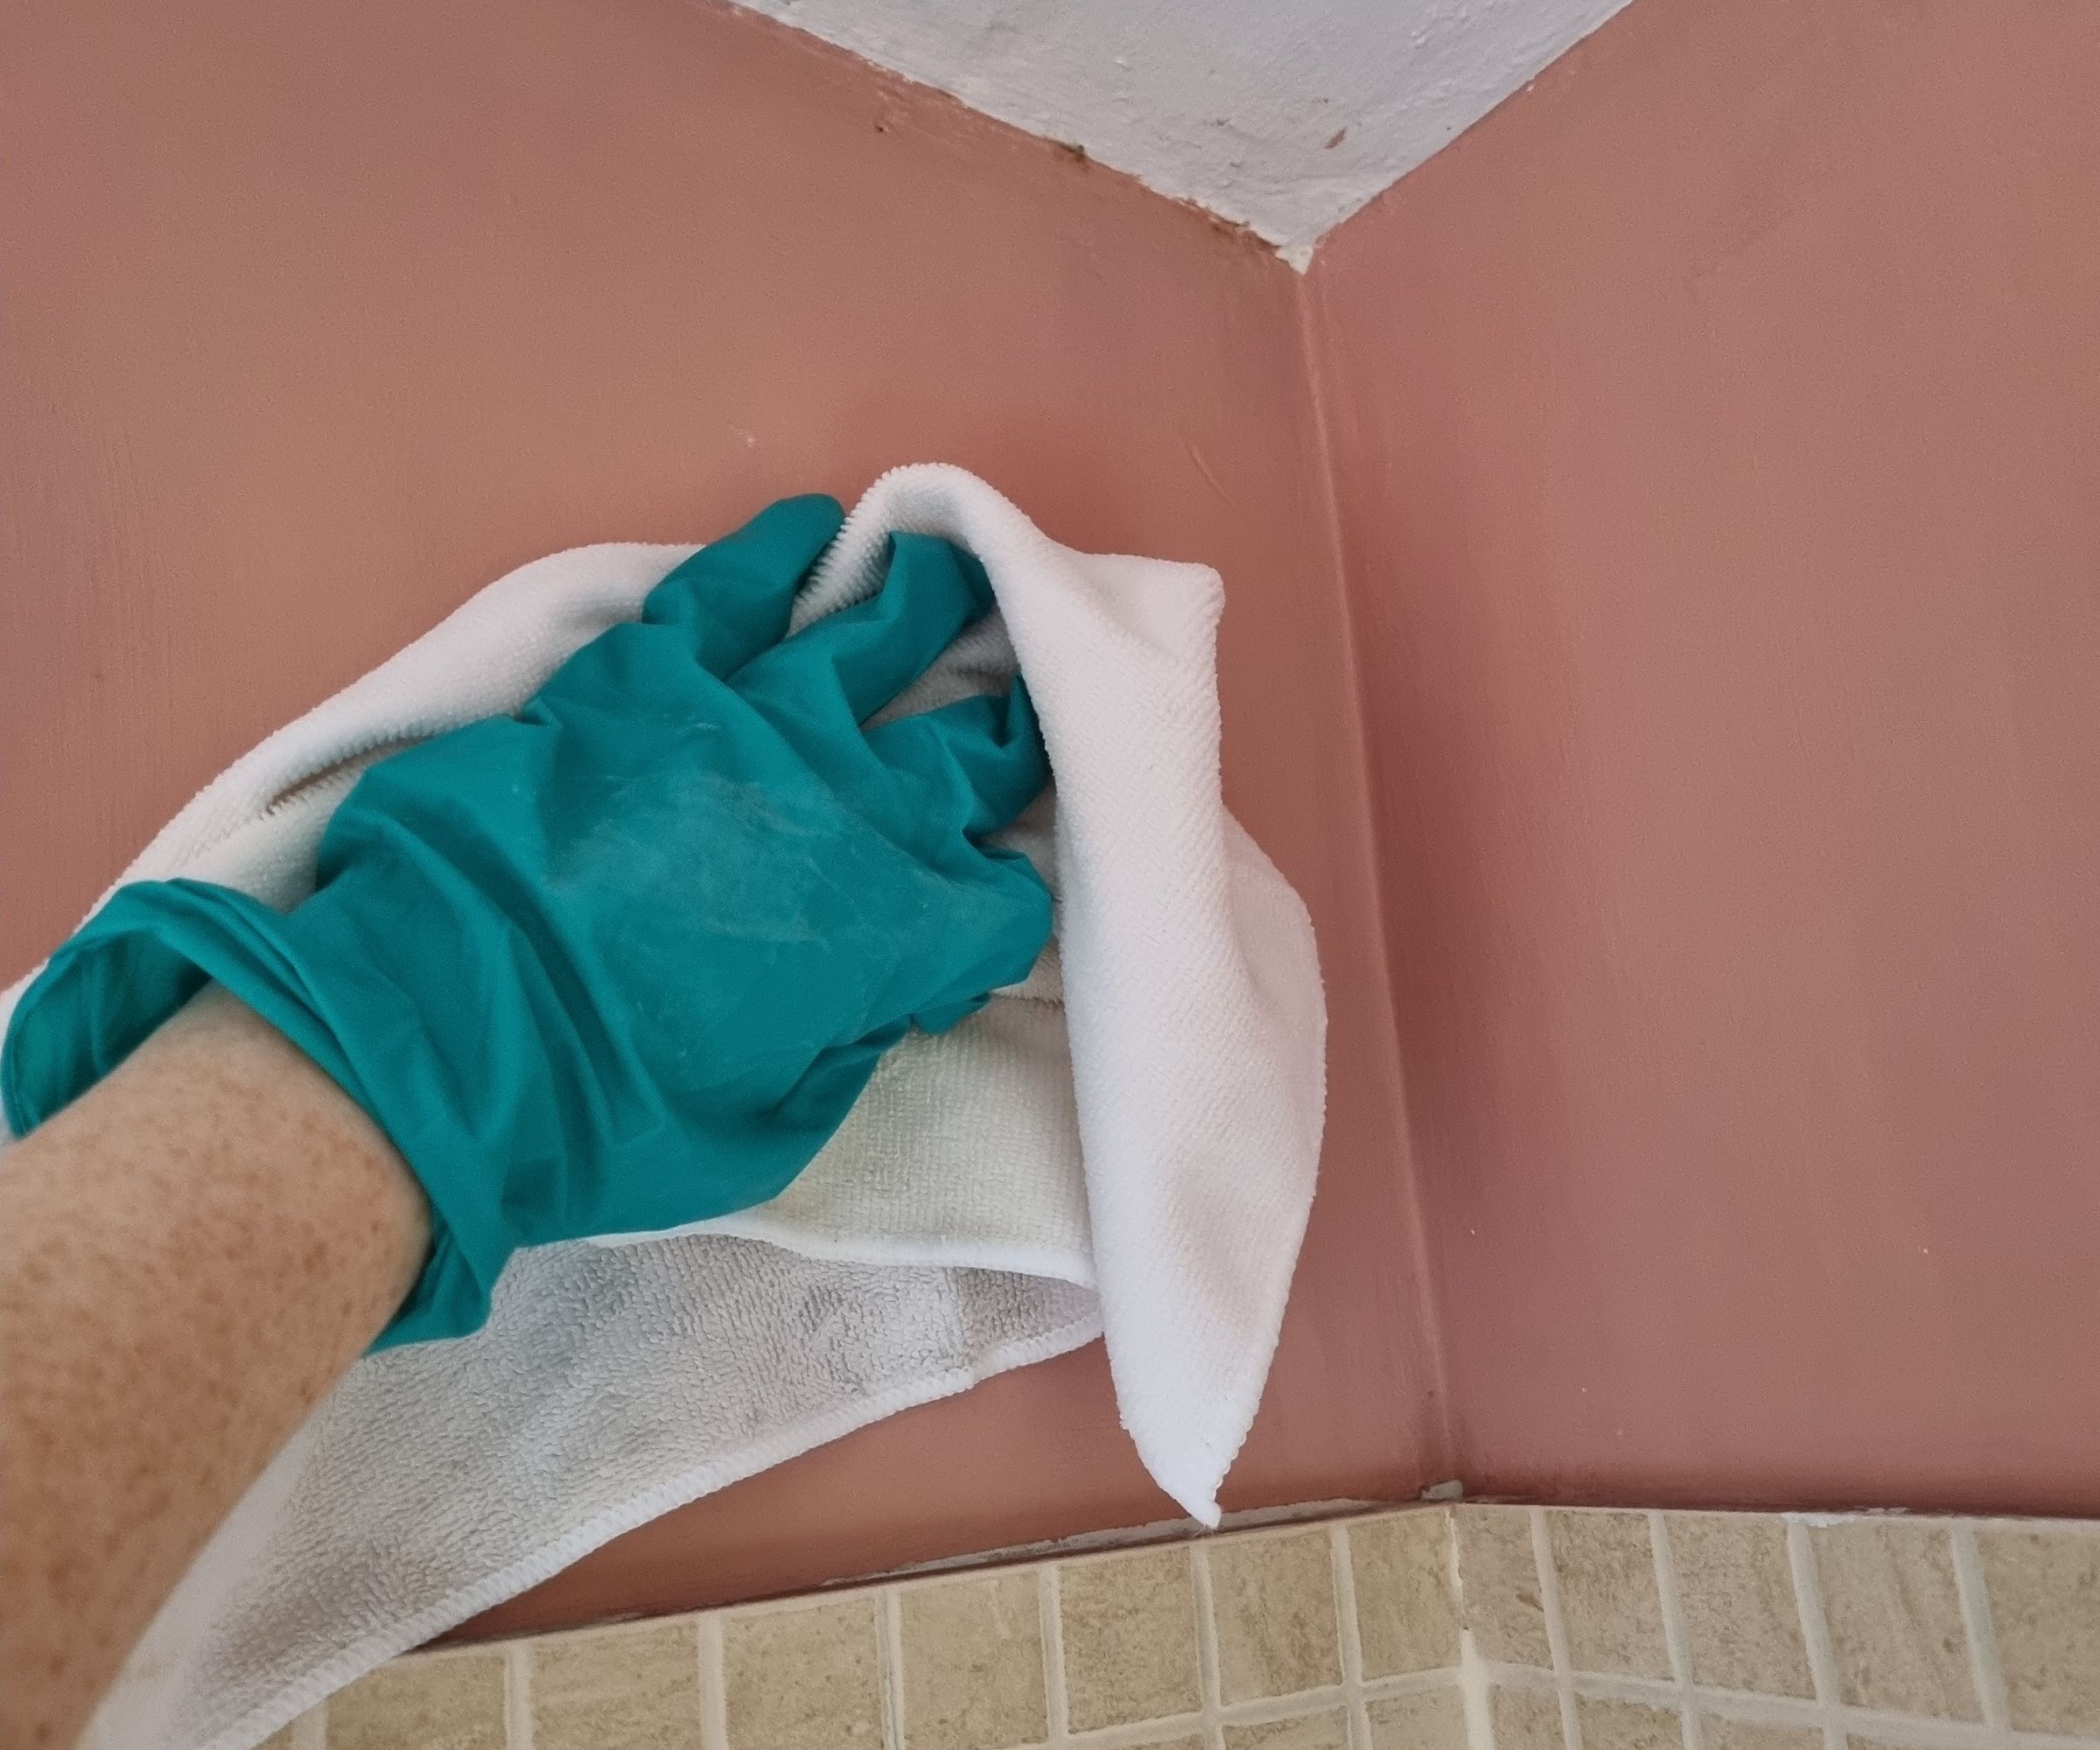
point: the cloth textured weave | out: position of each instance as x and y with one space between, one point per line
993 1200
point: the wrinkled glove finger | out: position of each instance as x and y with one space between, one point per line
983 756
733 597
839 672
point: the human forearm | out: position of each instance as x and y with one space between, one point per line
155 1209
616 962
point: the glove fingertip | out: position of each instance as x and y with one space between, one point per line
735 594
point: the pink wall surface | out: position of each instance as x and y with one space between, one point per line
1717 436
319 317
1708 550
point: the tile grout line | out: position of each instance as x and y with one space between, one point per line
1410 1683
1472 1669
1556 1626
1135 1734
1815 1633
1986 1670
517 1695
1209 1687
1923 1731
889 1626
1128 1735
1050 1622
714 1688
1677 1630
1140 1734
1323 1698
1475 1679
1343 1565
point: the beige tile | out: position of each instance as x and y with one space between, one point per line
1498 1583
638 1688
1327 1730
1432 1720
1407 1616
1628 1726
279 1740
445 1702
1738 1594
1130 1634
2044 1602
795 1679
973 1663
1524 1719
1606 1568
1895 1619
1273 1600
1743 1734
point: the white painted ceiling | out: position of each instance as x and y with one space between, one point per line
1285 116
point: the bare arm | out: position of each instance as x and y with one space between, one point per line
169 1312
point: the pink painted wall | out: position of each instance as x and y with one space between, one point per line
319 317
1714 430
1717 430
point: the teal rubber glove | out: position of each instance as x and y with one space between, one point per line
625 960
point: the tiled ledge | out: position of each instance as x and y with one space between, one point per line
1431 1628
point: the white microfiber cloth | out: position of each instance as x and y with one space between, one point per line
1124 1145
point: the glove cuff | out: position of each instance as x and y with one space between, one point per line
152 947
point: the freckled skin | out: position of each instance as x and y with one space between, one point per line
190 1255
